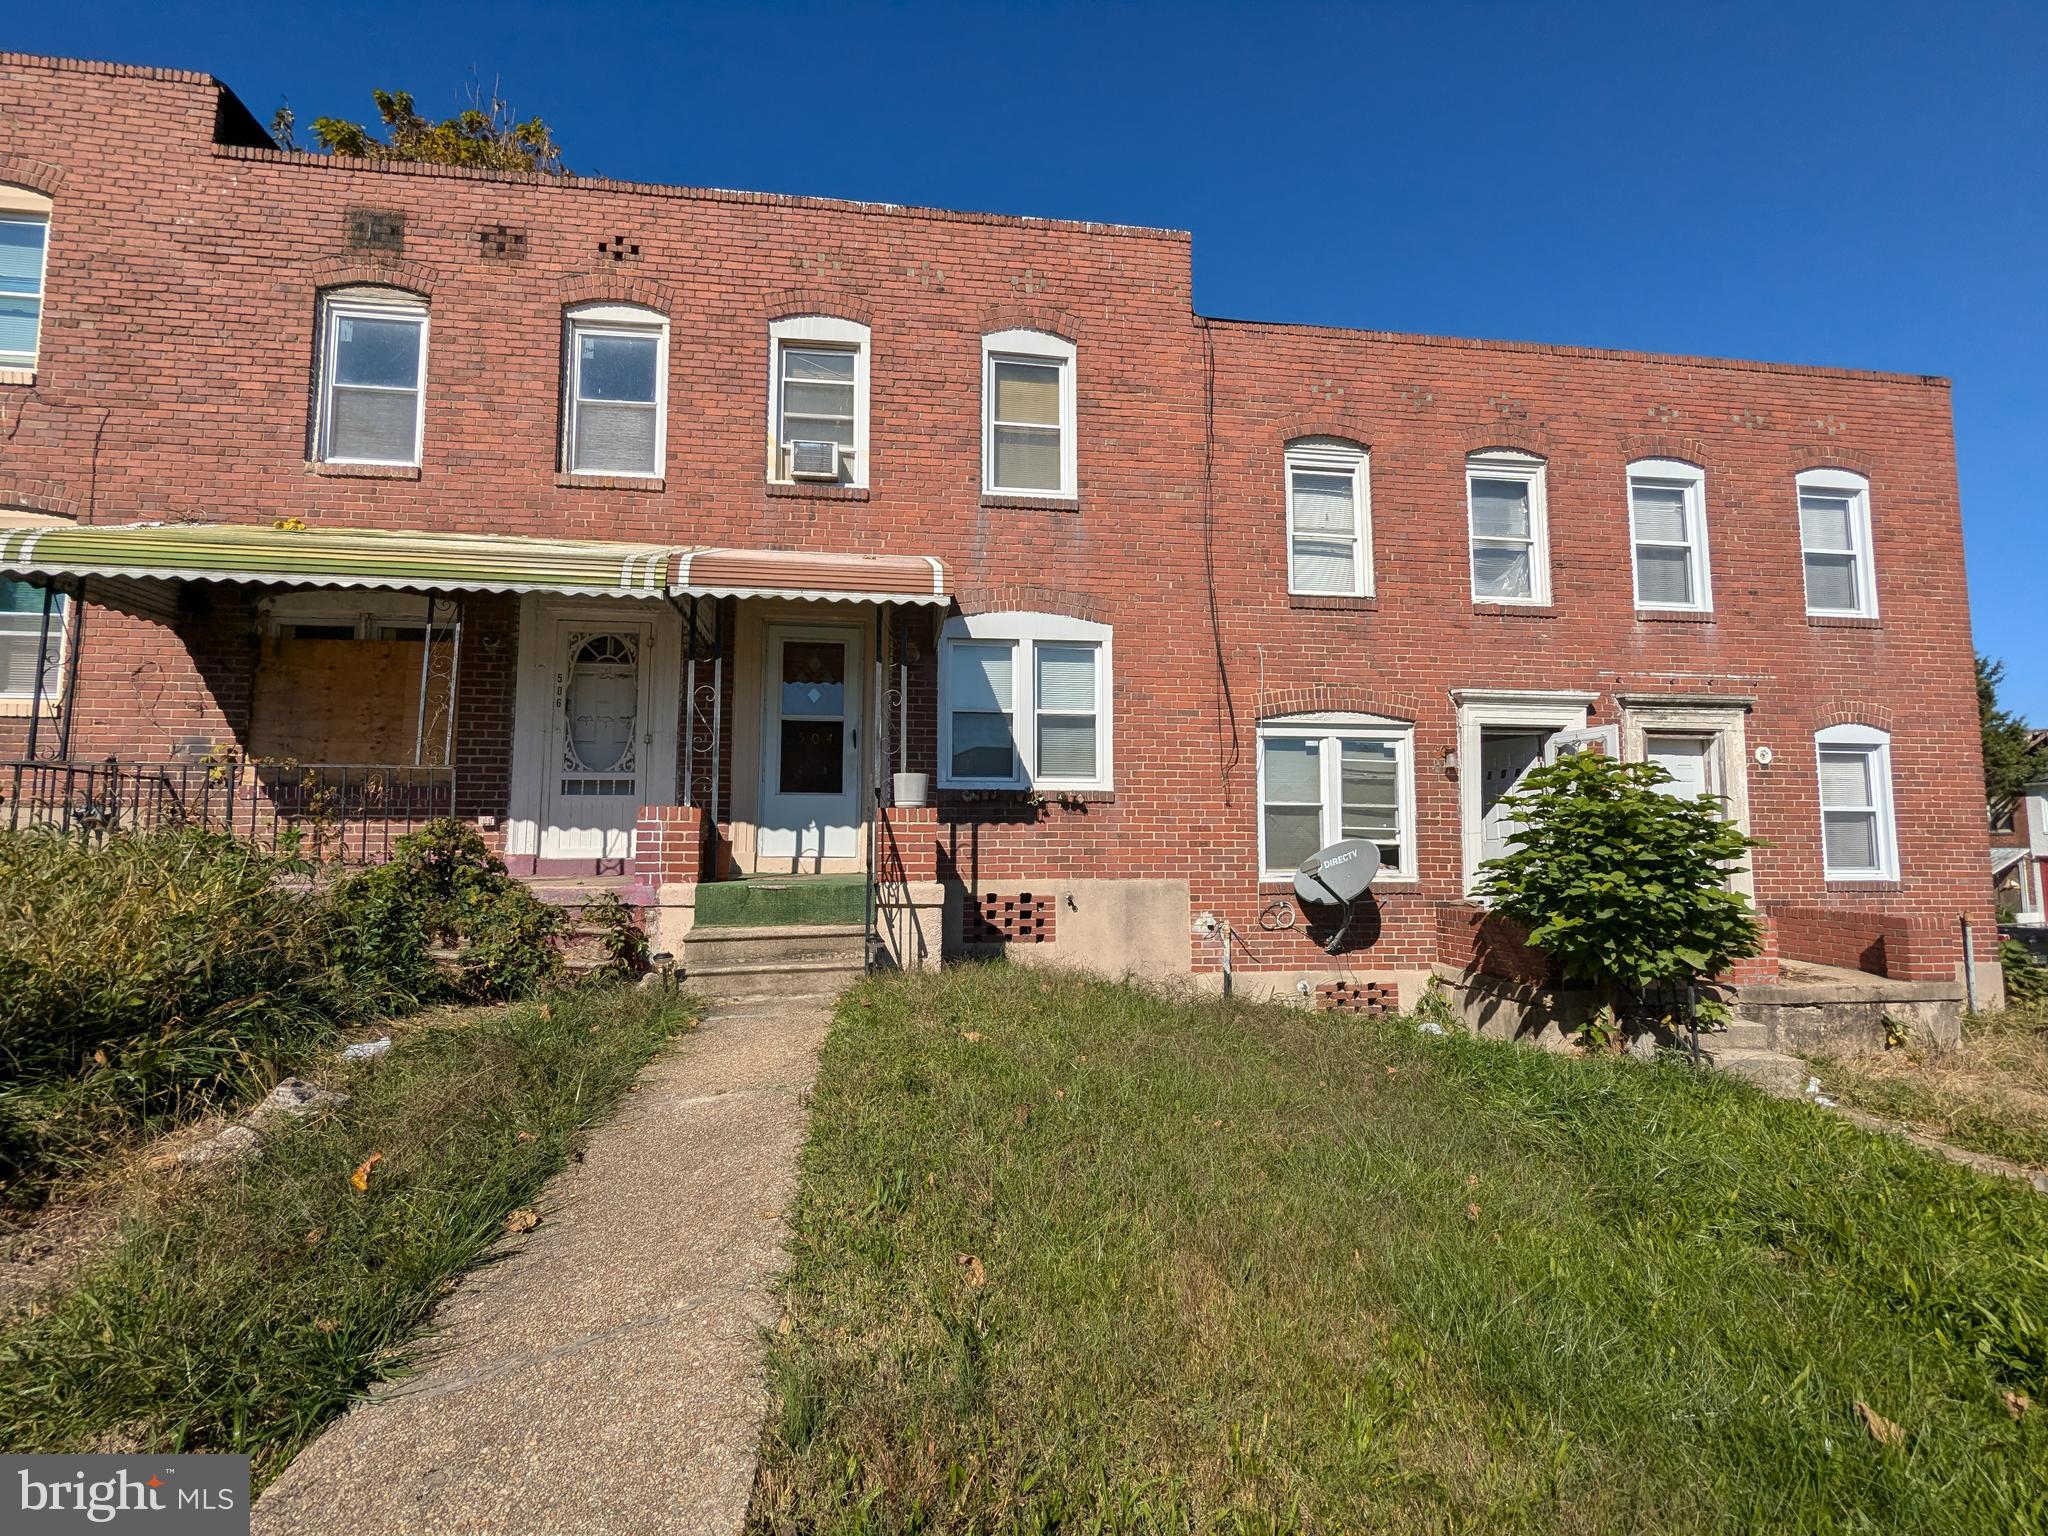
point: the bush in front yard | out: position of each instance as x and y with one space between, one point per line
444 889
1624 882
146 979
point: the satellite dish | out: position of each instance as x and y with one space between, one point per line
1339 873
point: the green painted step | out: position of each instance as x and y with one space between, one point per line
789 901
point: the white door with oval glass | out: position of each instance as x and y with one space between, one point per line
810 759
599 740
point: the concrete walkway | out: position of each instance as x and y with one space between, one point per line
605 1376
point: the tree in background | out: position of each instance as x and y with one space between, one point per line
484 135
1623 882
2013 759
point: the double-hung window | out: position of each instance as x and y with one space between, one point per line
1859 840
1323 778
1510 533
617 391
1024 701
372 377
23 645
24 248
1668 524
1329 519
1834 538
1028 396
818 395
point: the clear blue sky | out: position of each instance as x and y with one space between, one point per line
1858 184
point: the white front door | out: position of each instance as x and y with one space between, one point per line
600 737
1505 758
810 752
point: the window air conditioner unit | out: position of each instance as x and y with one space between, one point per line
812 460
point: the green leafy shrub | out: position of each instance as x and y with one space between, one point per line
1624 882
146 979
443 889
2026 979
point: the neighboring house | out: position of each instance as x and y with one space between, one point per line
2019 852
656 530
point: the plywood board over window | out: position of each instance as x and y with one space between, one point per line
344 701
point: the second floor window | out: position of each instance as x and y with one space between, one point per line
24 243
1834 539
373 378
617 391
1329 526
1668 530
1027 394
818 400
1510 536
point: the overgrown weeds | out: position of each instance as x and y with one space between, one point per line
1071 1255
147 980
1987 1094
243 1311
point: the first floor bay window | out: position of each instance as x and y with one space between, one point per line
1324 778
1024 702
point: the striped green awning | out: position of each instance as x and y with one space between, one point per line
338 557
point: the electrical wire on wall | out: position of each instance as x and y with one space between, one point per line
1232 753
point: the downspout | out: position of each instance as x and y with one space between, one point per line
1969 966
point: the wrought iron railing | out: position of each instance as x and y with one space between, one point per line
346 813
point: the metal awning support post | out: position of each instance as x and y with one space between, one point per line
454 698
35 697
419 730
68 696
902 627
689 721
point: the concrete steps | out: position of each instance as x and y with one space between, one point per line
731 965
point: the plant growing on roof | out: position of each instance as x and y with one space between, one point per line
484 135
1623 882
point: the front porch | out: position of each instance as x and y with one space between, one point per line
657 718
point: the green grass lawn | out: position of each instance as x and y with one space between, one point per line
1070 1255
244 1311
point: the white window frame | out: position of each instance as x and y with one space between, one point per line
1333 729
819 332
16 706
629 320
1876 745
1024 632
1332 456
1842 482
369 304
18 205
1693 481
1029 347
1503 464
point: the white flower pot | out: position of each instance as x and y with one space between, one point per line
912 788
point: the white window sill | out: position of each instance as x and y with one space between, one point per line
17 375
21 709
1399 882
1862 877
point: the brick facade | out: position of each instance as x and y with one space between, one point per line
177 363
